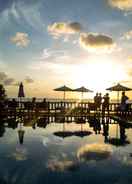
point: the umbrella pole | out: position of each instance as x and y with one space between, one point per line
117 131
82 96
118 97
64 99
63 126
64 95
81 127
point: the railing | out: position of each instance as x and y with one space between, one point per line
52 106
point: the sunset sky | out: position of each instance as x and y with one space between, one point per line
49 43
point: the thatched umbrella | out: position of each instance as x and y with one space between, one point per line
82 133
118 88
63 89
82 90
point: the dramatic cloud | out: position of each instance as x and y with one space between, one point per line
94 42
29 80
20 39
121 4
94 152
127 35
61 28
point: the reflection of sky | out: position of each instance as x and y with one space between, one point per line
45 158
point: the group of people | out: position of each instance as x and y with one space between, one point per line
105 100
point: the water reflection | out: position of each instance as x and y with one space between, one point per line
97 125
63 149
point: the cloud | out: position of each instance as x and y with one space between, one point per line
53 55
61 28
94 152
121 4
29 80
96 42
9 81
6 80
58 61
127 35
20 154
8 3
20 39
62 166
3 76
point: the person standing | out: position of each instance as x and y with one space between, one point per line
105 105
96 101
99 101
124 105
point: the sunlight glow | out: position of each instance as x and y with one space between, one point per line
99 75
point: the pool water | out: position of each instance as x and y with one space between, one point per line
60 153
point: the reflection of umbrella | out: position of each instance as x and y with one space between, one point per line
63 134
82 133
64 89
21 136
118 88
82 90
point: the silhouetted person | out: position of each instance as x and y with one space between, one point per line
105 105
105 130
33 103
122 133
123 106
95 98
99 100
44 104
96 101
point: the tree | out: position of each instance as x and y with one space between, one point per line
2 93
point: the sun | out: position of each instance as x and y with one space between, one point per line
98 75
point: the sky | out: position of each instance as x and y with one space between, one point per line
50 43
